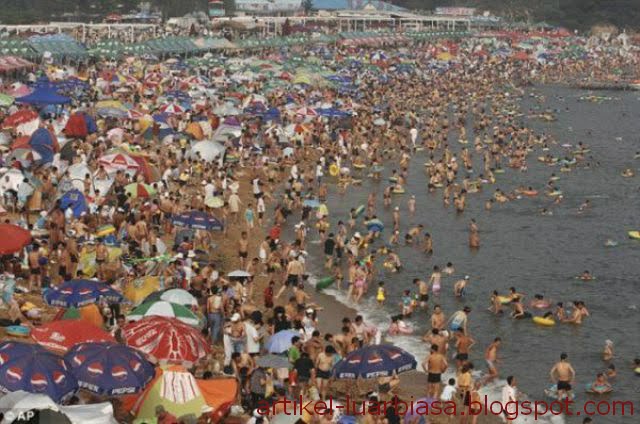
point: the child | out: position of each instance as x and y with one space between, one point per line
449 391
380 297
406 303
268 294
607 353
249 217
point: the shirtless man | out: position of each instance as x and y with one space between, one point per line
438 319
35 276
437 337
434 365
563 374
324 363
577 314
342 340
491 358
102 254
243 249
463 346
423 292
474 236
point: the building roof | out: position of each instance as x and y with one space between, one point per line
355 5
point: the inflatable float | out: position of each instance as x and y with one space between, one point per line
547 322
105 230
325 282
398 190
634 235
359 211
334 170
599 389
18 330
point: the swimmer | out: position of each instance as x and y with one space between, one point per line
584 206
600 385
518 309
586 276
607 352
448 269
496 305
423 292
435 280
539 302
628 173
611 371
398 326
427 244
491 358
460 286
563 374
406 304
559 312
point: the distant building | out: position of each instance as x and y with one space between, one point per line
266 7
368 5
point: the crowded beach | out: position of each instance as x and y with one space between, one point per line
160 214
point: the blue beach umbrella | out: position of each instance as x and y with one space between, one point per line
109 369
374 361
31 368
197 220
77 293
281 341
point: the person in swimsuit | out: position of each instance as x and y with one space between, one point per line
435 280
434 365
563 374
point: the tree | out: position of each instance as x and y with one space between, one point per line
307 5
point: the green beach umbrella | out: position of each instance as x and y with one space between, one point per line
165 309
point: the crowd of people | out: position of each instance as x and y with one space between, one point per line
265 189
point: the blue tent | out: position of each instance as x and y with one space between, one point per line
43 97
42 143
272 114
332 113
74 199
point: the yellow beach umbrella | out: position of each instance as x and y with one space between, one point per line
138 290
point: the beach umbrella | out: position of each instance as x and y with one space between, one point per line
281 341
109 368
119 162
375 225
140 190
273 361
13 238
306 111
172 109
178 296
166 340
33 369
176 391
312 203
207 150
374 361
214 202
5 100
19 118
238 273
79 293
139 289
165 309
60 336
197 220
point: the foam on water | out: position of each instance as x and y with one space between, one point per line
378 317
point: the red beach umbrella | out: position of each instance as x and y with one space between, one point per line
13 238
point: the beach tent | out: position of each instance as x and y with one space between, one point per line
76 200
44 143
43 97
207 150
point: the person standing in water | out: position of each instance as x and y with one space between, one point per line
563 374
474 236
491 358
435 280
434 365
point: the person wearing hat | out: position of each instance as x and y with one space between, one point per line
237 333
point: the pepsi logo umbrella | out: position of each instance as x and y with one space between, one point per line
109 368
33 369
197 220
76 293
166 340
374 361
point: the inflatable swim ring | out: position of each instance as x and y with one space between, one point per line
359 165
547 322
398 191
634 234
105 230
18 330
580 152
504 300
530 193
359 210
334 170
637 371
600 389
325 282
552 392
563 169
393 179
499 171
555 193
